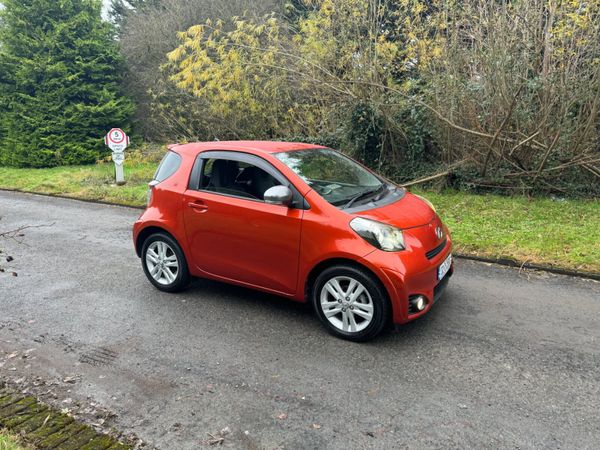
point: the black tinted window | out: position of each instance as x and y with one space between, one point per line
236 178
168 166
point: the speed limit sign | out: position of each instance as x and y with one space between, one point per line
117 141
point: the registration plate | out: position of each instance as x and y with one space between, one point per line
444 267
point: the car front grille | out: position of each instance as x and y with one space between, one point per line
436 251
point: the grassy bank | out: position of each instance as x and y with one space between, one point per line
563 234
95 182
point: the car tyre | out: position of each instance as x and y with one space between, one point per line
164 263
351 303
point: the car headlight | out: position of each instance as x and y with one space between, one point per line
426 201
384 237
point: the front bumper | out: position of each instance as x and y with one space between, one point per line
415 276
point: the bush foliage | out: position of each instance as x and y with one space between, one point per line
480 94
496 94
59 83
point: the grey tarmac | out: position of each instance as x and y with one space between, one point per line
506 359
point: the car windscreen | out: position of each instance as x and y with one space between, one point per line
338 179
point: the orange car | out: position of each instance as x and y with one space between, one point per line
297 220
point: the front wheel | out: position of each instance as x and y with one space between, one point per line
350 302
164 263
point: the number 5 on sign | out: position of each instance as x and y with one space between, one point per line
117 141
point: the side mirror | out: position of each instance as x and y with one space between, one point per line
279 195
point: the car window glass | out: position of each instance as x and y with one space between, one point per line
236 178
168 166
337 178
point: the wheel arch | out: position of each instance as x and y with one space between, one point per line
330 262
149 231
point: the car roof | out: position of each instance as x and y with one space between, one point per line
243 146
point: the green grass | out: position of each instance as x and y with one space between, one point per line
9 442
95 182
563 234
559 233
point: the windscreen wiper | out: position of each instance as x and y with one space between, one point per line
363 194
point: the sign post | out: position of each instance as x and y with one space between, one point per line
117 141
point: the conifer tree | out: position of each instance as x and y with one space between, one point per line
59 83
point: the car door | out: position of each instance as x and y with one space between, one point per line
232 233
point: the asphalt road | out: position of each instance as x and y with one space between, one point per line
506 359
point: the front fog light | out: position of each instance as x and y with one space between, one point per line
417 304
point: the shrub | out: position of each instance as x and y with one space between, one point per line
59 88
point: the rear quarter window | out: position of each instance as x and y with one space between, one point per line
168 166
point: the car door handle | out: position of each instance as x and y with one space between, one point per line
200 207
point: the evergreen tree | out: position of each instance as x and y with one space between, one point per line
59 82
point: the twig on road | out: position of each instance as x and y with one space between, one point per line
18 232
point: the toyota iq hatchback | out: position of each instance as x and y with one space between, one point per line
300 221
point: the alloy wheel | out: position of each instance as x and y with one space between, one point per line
347 304
162 263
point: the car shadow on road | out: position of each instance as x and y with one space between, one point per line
234 296
299 318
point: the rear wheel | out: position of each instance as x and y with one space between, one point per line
350 302
164 263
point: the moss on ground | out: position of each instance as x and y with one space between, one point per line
45 428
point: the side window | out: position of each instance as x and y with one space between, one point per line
235 178
168 166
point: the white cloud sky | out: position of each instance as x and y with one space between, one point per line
105 5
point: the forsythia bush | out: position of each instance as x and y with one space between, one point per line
331 73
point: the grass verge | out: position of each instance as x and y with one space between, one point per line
563 234
95 182
559 233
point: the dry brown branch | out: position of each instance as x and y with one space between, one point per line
500 128
592 170
523 142
16 233
545 158
426 179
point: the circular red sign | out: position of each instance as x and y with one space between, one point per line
116 136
